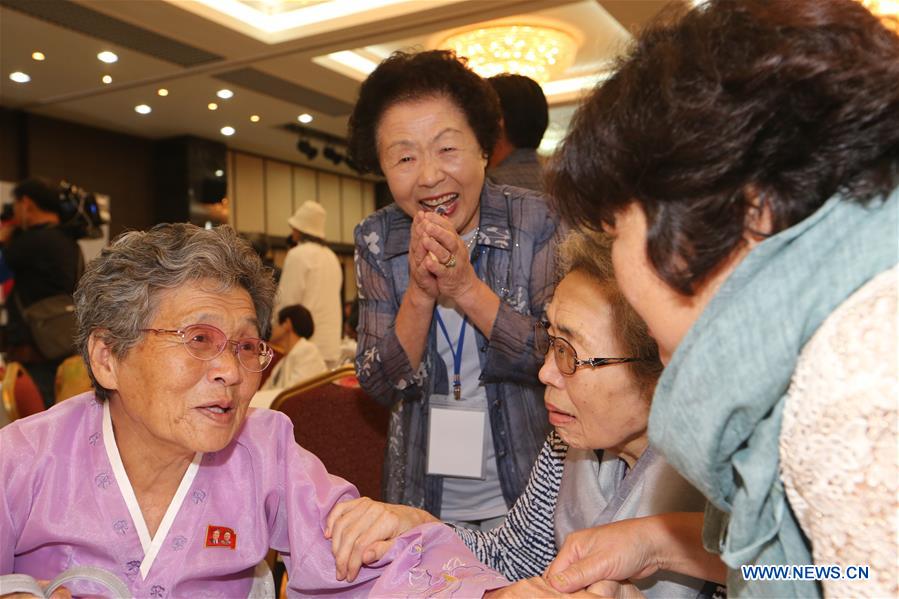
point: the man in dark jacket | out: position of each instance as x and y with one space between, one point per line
45 260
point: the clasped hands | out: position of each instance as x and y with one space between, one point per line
438 258
595 562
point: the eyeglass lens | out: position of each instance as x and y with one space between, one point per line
565 356
205 342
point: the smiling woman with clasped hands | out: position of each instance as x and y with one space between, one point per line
451 278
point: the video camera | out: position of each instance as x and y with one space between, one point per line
79 212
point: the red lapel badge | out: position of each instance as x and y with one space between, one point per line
221 536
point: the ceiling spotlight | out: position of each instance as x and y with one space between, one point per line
219 172
225 94
20 77
254 118
162 92
39 56
305 118
107 57
306 148
227 131
142 109
332 155
212 106
107 79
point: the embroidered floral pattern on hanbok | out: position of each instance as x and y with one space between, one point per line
179 542
121 527
103 480
132 567
93 438
157 591
198 496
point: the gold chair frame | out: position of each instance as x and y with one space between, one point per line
313 382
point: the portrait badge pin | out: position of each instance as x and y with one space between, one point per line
221 536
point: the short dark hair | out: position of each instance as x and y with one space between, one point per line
407 76
524 108
44 195
729 104
300 320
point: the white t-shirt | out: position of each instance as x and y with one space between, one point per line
312 276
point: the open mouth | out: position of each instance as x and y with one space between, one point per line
441 204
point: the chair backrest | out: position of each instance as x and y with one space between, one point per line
338 422
21 397
71 378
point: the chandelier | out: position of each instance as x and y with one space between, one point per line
886 10
535 51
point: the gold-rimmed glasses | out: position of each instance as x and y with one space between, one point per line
206 342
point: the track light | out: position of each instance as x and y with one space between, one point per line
332 155
306 148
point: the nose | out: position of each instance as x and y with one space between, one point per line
226 367
549 373
431 172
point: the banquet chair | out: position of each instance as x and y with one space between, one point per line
71 378
21 397
338 422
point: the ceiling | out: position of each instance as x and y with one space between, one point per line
276 56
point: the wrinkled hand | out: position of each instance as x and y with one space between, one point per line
419 274
363 530
441 241
533 587
617 551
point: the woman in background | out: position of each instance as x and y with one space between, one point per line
452 278
745 158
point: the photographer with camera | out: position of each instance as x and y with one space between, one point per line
46 261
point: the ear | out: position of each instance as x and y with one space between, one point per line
759 223
104 364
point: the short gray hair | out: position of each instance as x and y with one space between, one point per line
117 296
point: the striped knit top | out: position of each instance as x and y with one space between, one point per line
524 544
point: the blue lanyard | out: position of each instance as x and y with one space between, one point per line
457 351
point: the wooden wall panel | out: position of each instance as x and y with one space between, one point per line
278 197
249 193
351 198
305 186
329 198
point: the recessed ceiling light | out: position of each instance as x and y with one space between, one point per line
305 118
142 109
107 79
225 94
254 118
20 77
212 106
228 131
162 92
219 172
107 56
38 56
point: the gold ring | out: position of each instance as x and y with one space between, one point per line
451 262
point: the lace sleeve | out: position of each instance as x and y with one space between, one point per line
839 438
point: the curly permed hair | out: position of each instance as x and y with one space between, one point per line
732 103
413 76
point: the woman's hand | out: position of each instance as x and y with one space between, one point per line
363 530
633 549
424 281
534 587
442 243
616 551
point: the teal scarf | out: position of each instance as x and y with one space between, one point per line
716 413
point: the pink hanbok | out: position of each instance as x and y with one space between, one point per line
66 501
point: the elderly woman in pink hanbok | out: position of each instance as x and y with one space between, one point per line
161 482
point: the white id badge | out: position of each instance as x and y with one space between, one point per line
456 439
